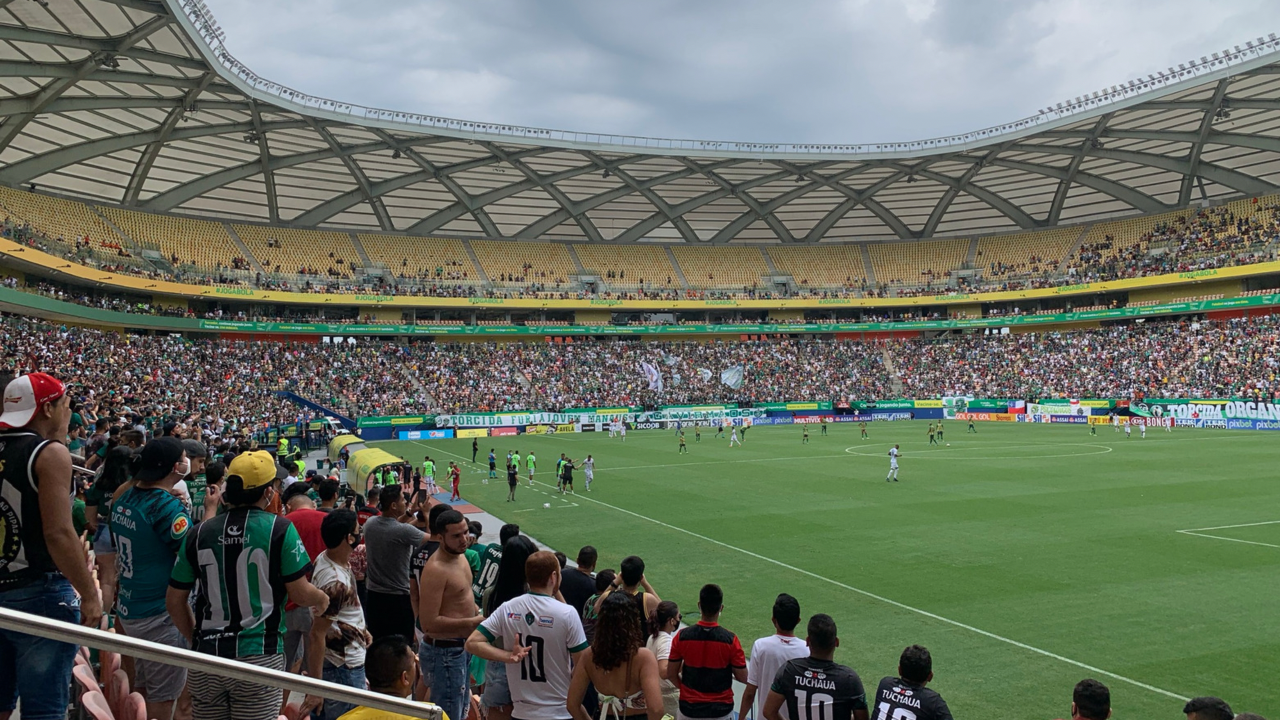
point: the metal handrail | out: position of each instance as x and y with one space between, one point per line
15 621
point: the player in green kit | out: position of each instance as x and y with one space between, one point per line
559 472
804 434
429 474
531 461
824 424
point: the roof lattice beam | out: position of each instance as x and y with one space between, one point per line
357 174
1111 188
38 165
664 210
1206 124
264 156
14 124
775 224
1234 179
588 228
1064 185
143 167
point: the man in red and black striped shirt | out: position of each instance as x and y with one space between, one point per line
705 660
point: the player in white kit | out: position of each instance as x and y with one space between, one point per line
1168 424
1115 422
893 464
622 429
589 470
1128 430
733 436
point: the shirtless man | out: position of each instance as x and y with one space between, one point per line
448 615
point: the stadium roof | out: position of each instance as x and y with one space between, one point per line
138 103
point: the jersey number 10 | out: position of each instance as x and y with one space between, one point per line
533 667
898 713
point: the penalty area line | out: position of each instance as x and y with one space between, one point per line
888 601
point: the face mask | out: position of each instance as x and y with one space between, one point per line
184 468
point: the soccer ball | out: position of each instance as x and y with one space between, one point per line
546 505
948 444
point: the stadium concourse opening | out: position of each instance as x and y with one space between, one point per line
290 386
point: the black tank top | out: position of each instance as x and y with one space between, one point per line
24 556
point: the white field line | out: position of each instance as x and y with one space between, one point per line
1200 532
871 595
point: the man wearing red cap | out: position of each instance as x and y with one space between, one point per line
42 561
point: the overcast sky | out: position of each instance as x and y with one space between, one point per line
779 71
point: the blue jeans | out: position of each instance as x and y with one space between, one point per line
444 672
351 677
36 669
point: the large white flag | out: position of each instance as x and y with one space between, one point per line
732 376
705 374
653 375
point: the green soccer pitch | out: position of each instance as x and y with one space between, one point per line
1025 557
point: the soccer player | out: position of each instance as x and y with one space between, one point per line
613 427
746 425
816 686
733 436
824 424
939 432
622 429
493 465
972 429
1128 430
1142 429
805 434
566 479
684 449
1093 429
720 429
589 470
530 462
475 448
513 479
697 433
932 439
560 472
893 464
1115 421
863 427
515 460
455 477
906 696
429 474
1168 424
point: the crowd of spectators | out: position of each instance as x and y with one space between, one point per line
1205 359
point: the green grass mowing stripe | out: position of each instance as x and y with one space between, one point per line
864 593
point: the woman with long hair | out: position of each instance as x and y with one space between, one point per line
509 583
623 670
663 624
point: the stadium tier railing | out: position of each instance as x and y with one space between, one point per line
21 622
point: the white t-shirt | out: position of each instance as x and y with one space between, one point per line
893 457
552 631
348 621
768 654
660 646
589 466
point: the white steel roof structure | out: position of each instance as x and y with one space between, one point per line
138 103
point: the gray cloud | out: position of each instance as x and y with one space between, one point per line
801 71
